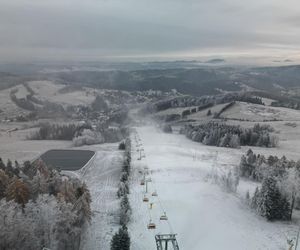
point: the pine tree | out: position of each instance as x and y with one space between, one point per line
121 240
273 205
2 165
9 169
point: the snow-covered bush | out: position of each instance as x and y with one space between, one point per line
88 137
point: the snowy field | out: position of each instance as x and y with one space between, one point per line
15 146
201 214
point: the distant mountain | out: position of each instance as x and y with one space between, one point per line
216 60
187 81
188 77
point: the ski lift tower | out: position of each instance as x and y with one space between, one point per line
166 242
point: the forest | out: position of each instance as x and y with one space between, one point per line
40 207
223 135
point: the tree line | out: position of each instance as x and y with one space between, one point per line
121 239
83 134
223 135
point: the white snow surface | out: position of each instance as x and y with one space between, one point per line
201 214
102 176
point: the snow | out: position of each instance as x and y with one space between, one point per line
102 176
202 214
256 112
16 147
49 91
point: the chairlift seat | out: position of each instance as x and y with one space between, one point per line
163 217
151 225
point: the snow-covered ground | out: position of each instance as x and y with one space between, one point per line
15 146
102 177
201 214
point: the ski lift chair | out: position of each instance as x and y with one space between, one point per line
163 217
145 199
151 225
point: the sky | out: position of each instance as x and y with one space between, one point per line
91 30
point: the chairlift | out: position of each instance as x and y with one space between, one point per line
163 217
142 182
151 225
154 193
145 199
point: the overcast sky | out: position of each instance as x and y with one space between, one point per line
143 29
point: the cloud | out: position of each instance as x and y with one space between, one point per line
91 29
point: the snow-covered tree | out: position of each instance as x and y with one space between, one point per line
121 240
88 137
4 180
290 186
270 202
18 191
82 205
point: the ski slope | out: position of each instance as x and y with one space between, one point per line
102 176
201 214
